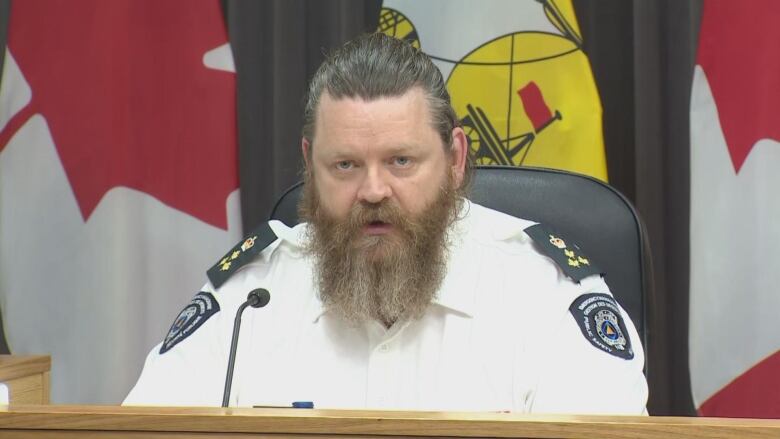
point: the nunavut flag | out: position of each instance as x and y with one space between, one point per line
519 80
735 211
118 179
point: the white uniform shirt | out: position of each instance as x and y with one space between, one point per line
499 337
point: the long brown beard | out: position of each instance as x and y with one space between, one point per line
383 277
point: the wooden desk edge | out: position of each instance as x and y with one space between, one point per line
375 423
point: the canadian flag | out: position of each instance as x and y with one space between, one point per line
735 211
118 180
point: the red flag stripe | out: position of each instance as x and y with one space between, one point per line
754 394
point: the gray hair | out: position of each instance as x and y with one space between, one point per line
374 66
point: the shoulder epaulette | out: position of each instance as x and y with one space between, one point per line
241 254
568 255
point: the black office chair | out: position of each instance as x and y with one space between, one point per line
4 350
582 209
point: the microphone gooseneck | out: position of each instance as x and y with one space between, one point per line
256 298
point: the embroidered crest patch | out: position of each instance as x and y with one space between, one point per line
202 306
601 322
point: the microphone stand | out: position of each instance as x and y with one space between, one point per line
256 299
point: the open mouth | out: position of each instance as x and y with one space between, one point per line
377 228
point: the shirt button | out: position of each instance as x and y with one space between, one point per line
383 348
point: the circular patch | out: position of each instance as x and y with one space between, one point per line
601 322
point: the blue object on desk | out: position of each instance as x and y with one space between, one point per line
303 405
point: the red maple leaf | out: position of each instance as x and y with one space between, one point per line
738 53
128 100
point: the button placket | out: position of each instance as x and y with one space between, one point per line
383 373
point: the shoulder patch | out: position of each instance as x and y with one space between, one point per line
566 254
602 324
241 254
202 306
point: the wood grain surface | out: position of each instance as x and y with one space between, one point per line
27 378
46 421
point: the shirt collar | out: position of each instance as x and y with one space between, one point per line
316 310
457 294
458 287
294 236
490 224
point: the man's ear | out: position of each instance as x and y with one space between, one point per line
459 151
306 150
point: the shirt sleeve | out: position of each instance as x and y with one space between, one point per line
593 359
185 368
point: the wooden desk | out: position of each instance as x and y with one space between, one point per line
27 377
50 421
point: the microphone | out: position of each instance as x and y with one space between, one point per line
257 298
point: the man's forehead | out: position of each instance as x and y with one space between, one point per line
405 119
412 101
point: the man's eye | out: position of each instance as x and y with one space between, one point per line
402 161
344 165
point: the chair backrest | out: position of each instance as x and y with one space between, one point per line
593 214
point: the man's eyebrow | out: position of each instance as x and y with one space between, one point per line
400 149
405 148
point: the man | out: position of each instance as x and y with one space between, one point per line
398 293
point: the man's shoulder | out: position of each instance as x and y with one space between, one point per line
515 235
489 225
268 243
269 257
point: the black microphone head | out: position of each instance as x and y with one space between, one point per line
258 298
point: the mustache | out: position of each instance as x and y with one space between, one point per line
385 211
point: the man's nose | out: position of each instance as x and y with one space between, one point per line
374 187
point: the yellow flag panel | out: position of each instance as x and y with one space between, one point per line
524 97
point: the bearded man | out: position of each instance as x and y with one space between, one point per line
397 292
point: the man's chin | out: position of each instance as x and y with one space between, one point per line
378 247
